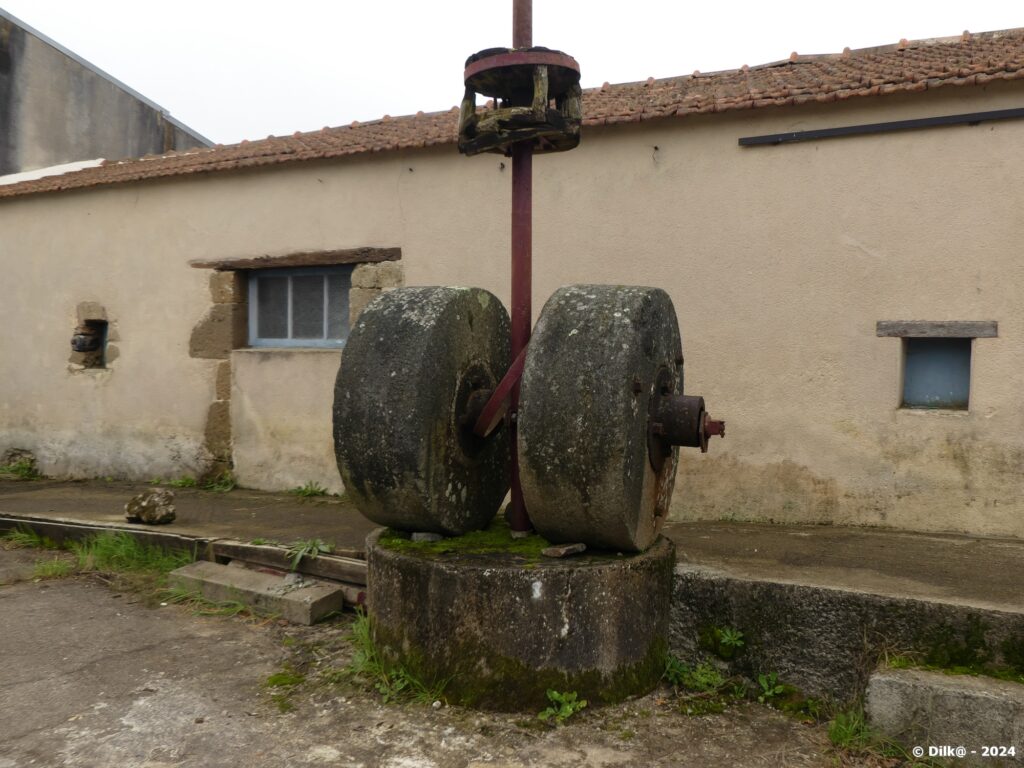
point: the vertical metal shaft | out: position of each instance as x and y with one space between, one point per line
522 258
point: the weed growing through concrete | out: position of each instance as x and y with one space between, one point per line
724 642
24 537
563 706
311 548
392 681
52 569
222 483
310 489
282 684
22 469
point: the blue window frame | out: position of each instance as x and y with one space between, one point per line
937 373
301 307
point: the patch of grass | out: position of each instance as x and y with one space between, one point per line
849 732
911 661
495 539
697 706
563 706
311 548
705 691
266 543
204 607
186 481
310 489
22 469
701 678
392 681
222 483
285 679
282 684
119 552
52 569
24 537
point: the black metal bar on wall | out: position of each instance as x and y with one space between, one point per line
971 118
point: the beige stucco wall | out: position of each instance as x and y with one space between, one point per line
282 432
780 261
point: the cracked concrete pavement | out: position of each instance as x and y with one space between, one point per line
92 677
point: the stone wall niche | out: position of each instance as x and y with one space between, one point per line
91 340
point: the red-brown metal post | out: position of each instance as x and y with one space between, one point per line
522 258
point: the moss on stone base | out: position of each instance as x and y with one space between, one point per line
494 540
478 677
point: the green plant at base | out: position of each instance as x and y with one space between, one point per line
724 642
51 569
22 469
730 638
770 687
120 552
311 548
311 488
390 680
24 537
182 482
701 678
222 483
563 706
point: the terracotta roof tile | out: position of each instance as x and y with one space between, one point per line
909 66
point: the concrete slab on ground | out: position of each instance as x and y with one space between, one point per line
300 602
981 716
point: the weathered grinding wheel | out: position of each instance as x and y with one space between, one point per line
598 356
407 380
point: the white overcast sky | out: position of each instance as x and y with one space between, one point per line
234 69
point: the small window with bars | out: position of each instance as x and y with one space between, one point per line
305 307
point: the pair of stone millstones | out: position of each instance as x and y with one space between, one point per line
407 455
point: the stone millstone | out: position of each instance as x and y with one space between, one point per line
589 377
503 634
153 507
407 369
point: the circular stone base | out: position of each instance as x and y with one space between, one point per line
504 628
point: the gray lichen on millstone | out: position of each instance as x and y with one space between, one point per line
153 507
589 377
408 365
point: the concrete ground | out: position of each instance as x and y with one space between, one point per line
976 571
93 677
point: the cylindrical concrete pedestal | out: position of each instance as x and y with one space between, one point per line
503 630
